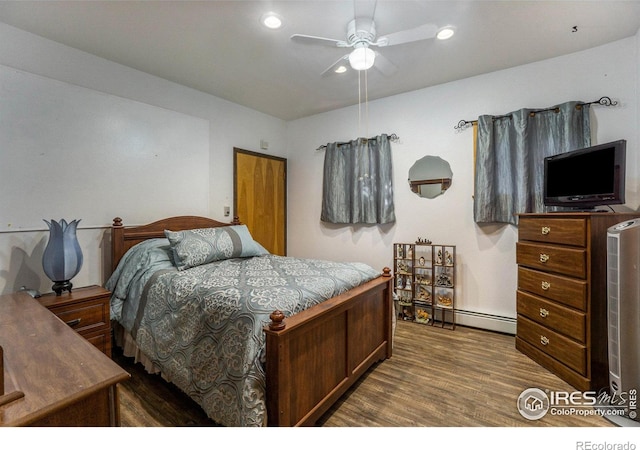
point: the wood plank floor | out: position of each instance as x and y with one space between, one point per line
436 378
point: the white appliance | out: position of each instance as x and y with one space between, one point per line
623 310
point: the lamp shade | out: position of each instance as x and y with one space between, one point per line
62 257
362 58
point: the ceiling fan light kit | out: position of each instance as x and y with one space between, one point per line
362 57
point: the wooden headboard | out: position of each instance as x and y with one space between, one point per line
123 238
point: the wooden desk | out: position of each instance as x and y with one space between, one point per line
65 379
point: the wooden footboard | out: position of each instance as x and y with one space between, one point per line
316 355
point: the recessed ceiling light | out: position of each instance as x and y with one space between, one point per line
340 69
445 33
271 20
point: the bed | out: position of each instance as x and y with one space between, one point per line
302 353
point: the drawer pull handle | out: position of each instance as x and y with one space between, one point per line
545 285
544 340
74 322
544 257
543 312
546 230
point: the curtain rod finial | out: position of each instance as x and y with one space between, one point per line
463 124
606 101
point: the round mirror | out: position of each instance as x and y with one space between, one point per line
430 176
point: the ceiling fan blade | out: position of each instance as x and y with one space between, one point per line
331 69
426 31
386 67
319 40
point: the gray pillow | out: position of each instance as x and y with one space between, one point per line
192 248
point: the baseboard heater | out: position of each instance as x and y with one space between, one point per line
486 321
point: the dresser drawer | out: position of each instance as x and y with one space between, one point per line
569 291
564 320
553 258
84 317
553 230
565 350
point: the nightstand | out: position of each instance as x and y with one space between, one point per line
86 310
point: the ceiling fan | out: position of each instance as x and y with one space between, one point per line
361 36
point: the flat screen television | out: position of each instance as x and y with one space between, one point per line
586 178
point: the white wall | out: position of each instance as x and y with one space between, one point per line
230 126
424 120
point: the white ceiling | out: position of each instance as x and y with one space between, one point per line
219 47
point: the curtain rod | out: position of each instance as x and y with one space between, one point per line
603 101
392 137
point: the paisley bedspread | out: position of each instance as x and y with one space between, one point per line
204 326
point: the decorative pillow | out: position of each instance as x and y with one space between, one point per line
192 248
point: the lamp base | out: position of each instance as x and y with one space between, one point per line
60 286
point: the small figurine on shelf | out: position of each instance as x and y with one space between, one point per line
422 316
400 252
406 313
445 301
410 252
448 258
444 280
403 269
404 299
423 241
422 261
439 257
424 295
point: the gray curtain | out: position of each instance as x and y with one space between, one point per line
357 185
510 156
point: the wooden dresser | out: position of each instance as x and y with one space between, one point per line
65 379
562 294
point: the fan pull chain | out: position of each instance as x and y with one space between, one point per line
359 104
366 100
366 103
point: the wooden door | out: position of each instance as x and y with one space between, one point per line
260 197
